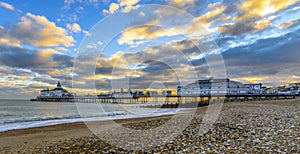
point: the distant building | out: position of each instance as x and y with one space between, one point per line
212 86
293 86
179 90
255 88
297 92
138 94
58 91
271 90
122 94
284 92
104 95
151 93
166 93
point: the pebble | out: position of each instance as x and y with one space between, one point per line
244 127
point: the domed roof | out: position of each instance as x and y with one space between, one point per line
58 84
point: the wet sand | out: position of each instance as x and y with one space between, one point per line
253 127
30 139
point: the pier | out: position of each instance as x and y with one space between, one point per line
198 93
168 101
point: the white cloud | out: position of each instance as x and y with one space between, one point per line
74 27
94 45
113 7
7 6
91 46
68 3
124 5
99 43
142 14
86 33
105 11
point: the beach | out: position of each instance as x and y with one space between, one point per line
252 126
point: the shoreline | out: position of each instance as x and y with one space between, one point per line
78 120
42 123
49 138
15 141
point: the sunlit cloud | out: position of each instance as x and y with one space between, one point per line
74 27
37 31
143 32
124 5
129 5
262 8
182 4
264 23
289 24
208 19
113 7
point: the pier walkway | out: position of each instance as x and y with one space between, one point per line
168 101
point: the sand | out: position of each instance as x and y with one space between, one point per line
28 140
253 127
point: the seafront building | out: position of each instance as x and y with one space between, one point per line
151 93
226 87
122 94
201 88
293 88
166 93
212 86
127 94
256 88
58 91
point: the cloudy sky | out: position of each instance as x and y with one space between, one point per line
145 44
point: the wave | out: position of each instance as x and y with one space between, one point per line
30 122
45 118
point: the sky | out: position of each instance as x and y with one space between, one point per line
94 46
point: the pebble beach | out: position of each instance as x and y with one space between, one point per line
242 127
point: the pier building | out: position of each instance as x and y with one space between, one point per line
212 87
58 91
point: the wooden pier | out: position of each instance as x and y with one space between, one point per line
168 101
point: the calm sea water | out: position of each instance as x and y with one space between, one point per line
18 114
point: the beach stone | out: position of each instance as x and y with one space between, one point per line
248 127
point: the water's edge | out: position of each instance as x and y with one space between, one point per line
34 124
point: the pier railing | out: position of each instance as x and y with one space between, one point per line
173 99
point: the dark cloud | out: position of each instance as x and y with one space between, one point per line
19 57
239 28
146 81
104 70
265 57
104 84
155 66
25 58
33 63
232 7
18 93
45 79
63 60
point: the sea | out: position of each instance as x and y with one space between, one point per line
20 114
